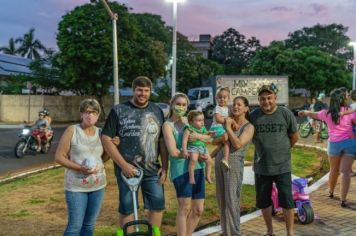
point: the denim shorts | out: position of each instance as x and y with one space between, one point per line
263 185
152 192
346 148
186 190
197 149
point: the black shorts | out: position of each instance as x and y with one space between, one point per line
263 184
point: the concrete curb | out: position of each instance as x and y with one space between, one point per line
258 213
27 173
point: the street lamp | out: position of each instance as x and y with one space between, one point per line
174 45
114 18
354 62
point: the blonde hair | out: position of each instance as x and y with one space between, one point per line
89 103
192 114
226 89
174 98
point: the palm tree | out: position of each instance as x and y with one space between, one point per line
30 46
11 49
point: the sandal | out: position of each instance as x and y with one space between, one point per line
331 195
344 204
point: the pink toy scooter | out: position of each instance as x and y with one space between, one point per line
301 199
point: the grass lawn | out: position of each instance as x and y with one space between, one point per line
35 205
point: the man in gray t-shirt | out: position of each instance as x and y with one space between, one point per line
275 134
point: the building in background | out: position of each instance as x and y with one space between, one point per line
203 46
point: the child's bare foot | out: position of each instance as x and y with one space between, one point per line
225 163
210 181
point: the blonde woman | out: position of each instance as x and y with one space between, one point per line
81 153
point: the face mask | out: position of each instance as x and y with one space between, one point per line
90 118
179 110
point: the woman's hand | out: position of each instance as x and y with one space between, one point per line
115 140
229 122
88 171
302 113
193 136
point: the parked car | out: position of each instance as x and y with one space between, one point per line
164 107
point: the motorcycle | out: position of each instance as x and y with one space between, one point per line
28 142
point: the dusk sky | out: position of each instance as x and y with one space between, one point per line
266 19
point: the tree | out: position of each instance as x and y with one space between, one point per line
30 47
11 48
307 67
233 50
192 69
46 73
330 38
154 27
85 41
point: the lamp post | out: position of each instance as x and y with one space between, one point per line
354 67
174 46
114 18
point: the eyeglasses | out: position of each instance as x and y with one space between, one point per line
94 113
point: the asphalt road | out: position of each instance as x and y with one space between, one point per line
9 164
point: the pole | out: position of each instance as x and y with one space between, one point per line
354 70
116 64
174 48
114 18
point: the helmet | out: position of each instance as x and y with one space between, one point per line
45 111
41 113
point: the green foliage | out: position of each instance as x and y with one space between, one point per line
30 47
11 48
330 38
307 67
85 42
192 69
233 50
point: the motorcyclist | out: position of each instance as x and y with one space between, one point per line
40 130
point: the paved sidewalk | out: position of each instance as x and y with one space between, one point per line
330 217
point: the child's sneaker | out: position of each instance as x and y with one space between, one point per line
225 163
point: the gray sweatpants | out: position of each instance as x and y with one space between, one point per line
228 191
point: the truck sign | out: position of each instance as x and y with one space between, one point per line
248 86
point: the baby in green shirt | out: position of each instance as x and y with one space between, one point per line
194 150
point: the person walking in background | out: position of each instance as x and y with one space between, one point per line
138 124
190 197
229 181
81 153
275 135
196 149
318 106
341 145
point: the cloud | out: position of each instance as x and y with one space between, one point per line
281 8
319 8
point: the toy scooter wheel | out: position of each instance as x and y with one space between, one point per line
120 232
156 231
306 216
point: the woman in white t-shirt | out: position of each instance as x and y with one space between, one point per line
81 153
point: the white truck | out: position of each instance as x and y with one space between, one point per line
203 98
